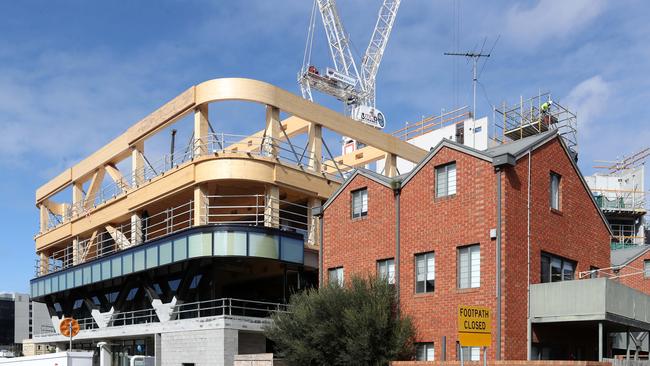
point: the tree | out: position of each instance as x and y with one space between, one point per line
354 325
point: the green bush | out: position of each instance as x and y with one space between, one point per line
354 325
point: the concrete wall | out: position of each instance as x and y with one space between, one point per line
21 308
215 347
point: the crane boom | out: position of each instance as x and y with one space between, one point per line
338 40
377 46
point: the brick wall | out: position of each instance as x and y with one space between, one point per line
357 244
501 363
442 225
632 274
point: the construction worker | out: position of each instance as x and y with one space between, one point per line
546 106
545 109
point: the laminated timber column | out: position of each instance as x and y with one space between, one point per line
272 206
390 167
200 206
315 147
43 217
137 236
137 164
43 267
201 130
77 198
271 131
313 221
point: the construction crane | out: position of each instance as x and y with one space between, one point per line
356 89
629 162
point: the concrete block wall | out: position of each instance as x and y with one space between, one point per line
213 347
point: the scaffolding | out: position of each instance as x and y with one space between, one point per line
527 118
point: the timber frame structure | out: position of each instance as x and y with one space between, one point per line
258 180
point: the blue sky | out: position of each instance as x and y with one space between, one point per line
75 74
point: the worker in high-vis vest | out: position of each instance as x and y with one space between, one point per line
546 106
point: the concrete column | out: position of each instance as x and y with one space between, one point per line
272 131
315 147
137 164
390 166
201 130
600 341
136 229
200 206
313 222
105 354
272 206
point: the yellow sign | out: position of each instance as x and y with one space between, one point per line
474 326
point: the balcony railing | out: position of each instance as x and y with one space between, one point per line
253 209
282 150
620 200
192 310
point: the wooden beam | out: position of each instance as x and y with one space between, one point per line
292 126
121 241
355 159
116 175
272 131
315 147
93 188
390 165
201 130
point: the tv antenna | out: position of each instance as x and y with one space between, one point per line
475 57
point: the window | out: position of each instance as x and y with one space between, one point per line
446 180
555 191
424 352
336 276
425 275
554 268
386 270
360 203
646 268
471 353
469 266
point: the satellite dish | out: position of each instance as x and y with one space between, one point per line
69 327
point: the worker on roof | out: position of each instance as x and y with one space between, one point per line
546 106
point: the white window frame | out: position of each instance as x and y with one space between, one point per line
336 276
446 180
646 268
386 270
424 351
555 190
474 353
469 266
425 271
359 203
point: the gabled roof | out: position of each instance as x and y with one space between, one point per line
623 257
391 183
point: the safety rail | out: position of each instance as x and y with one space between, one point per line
133 317
620 200
190 310
431 123
213 144
252 209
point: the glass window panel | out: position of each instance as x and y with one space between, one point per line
263 245
546 269
451 179
152 257
87 275
463 268
116 264
34 289
229 243
55 284
360 203
646 268
200 245
96 270
127 263
165 253
292 250
78 278
567 271
556 269
48 285
62 285
106 270
336 276
424 352
69 279
138 260
391 271
475 266
180 249
41 288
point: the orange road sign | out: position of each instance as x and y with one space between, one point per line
474 326
69 327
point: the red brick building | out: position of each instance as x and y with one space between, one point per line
434 232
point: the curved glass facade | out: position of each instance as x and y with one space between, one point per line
207 241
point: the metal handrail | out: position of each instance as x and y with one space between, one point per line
211 144
254 209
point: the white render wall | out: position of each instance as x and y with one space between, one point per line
475 136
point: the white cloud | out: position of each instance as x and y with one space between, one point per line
589 99
549 20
